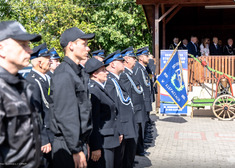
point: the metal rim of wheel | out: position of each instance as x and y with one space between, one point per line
224 107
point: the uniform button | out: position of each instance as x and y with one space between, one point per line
115 118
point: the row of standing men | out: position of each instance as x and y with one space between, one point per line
91 115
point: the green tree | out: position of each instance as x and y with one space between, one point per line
118 24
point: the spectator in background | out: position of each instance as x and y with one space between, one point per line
229 49
214 47
220 43
204 47
175 43
184 44
192 47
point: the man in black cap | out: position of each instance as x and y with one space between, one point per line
135 90
71 107
124 105
99 54
19 135
55 61
40 60
104 137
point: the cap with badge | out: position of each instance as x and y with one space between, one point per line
142 51
40 51
54 54
128 52
99 53
73 34
15 30
113 56
92 65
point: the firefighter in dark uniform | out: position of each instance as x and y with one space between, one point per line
71 107
135 90
40 59
19 122
99 54
55 61
125 110
104 137
143 78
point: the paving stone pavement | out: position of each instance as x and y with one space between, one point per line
184 142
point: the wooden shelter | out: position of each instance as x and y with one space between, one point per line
182 18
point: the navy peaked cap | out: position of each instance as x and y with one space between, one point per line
128 52
113 56
54 54
143 51
40 51
99 53
92 65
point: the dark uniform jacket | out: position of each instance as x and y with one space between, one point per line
42 106
104 133
19 122
229 50
214 50
193 49
137 98
142 76
125 117
49 73
71 107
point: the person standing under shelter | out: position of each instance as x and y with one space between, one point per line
19 123
192 47
71 107
215 48
229 48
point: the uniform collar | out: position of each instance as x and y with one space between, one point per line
40 74
8 77
142 66
115 75
74 66
129 70
101 84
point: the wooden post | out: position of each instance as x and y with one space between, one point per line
157 54
163 28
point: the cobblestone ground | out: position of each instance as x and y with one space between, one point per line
184 142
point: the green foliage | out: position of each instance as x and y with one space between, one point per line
117 24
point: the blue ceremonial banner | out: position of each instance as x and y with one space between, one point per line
171 80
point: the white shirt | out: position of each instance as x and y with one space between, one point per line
142 66
44 76
129 70
101 84
115 75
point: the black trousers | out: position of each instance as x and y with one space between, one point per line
140 140
62 157
106 160
119 155
129 153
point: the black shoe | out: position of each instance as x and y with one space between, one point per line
146 146
147 141
149 137
140 154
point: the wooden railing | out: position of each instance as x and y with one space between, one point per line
197 74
